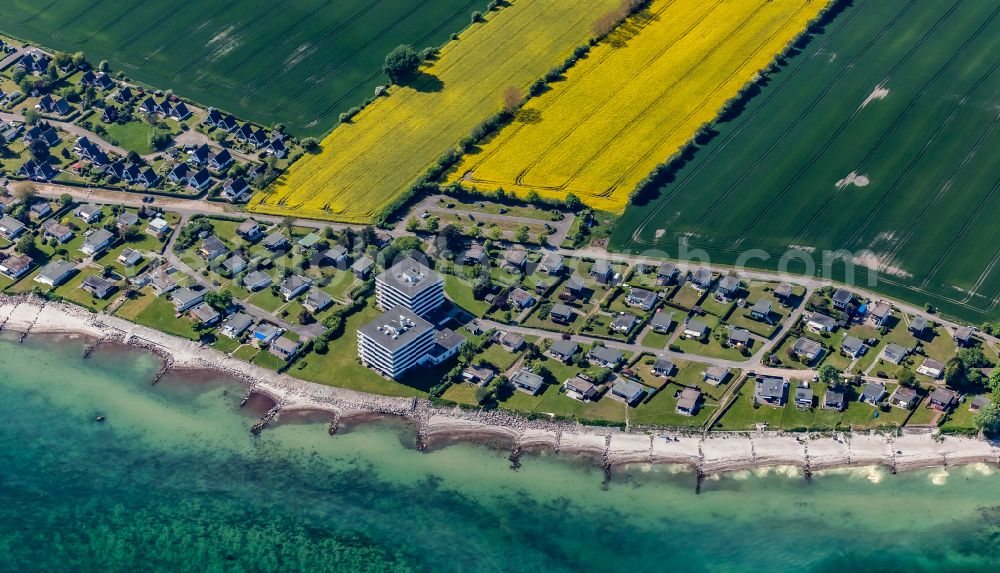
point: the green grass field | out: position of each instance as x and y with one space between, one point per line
300 62
901 95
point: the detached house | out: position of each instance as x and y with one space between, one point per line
527 382
772 390
661 322
294 285
604 356
16 266
641 298
666 274
97 241
220 161
701 279
601 271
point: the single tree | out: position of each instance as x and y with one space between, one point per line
401 64
512 98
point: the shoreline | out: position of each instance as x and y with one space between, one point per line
435 427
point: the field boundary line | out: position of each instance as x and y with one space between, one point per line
784 79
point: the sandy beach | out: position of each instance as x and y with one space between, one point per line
708 454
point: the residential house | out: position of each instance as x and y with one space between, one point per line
57 231
129 257
688 402
158 228
124 95
317 301
474 255
186 298
624 322
103 81
663 367
294 285
803 397
479 375
943 399
715 375
604 356
205 314
574 286
917 326
641 298
666 273
110 114
894 353
772 390
728 287
40 209
213 117
739 337
520 299
783 292
56 272
98 286
447 343
179 174
258 138
695 328
161 282
126 220
819 322
276 241
932 368
10 227
234 265
276 147
761 310
285 348
265 333
872 393
514 261
56 105
362 267
561 314
903 397
235 188
256 281
978 403
580 389
552 264
148 106
199 155
661 322
335 255
806 350
509 341
42 131
853 346
842 298
97 241
563 350
601 271
250 230
16 266
200 180
963 336
527 382
880 314
212 247
835 398
220 161
243 132
701 279
89 213
163 109
628 391
37 170
180 112
147 178
236 324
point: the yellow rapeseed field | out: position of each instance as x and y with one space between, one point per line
636 99
364 164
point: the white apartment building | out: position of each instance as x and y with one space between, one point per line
395 342
411 285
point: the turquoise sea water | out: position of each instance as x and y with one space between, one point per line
173 481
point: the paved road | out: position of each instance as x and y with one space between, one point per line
13 57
